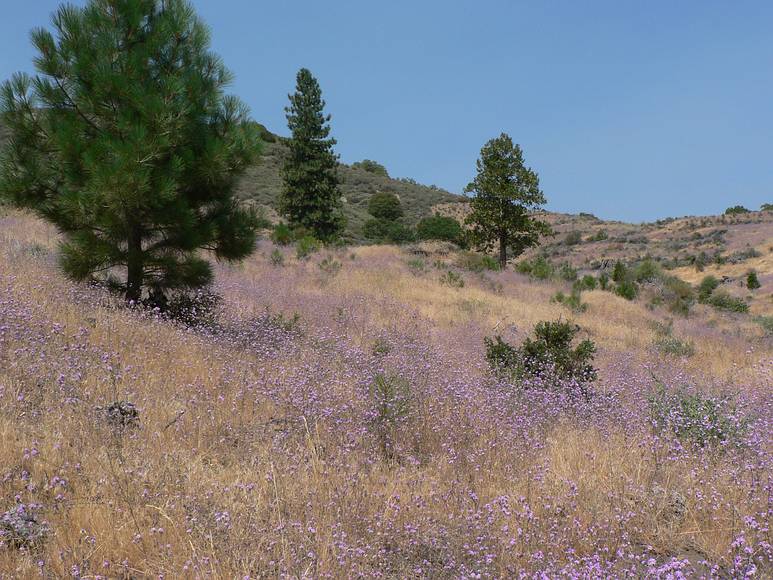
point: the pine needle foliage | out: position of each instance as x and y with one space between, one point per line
310 196
506 196
126 141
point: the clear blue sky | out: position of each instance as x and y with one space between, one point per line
628 109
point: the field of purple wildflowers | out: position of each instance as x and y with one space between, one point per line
342 422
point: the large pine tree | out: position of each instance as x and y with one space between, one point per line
507 194
310 195
127 143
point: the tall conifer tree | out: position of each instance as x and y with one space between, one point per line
310 196
506 195
127 143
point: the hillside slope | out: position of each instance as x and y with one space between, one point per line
344 422
263 182
725 246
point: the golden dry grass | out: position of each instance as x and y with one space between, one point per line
146 502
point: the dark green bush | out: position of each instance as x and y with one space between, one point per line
385 231
736 209
752 281
706 288
550 353
371 167
721 300
599 236
306 246
627 289
647 271
502 357
604 281
282 235
619 272
539 269
440 228
588 282
385 206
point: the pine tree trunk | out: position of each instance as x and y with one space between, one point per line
503 251
134 266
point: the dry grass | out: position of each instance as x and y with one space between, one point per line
224 479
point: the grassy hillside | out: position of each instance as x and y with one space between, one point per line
262 183
725 246
343 422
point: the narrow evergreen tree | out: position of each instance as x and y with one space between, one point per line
506 194
310 196
752 281
127 143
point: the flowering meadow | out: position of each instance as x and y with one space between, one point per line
335 417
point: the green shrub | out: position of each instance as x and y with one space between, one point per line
572 300
550 353
766 207
706 288
503 358
306 246
604 281
619 272
371 167
282 235
475 262
627 289
385 206
452 279
440 228
752 281
588 282
678 295
385 231
736 209
539 269
694 418
721 300
647 271
599 236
